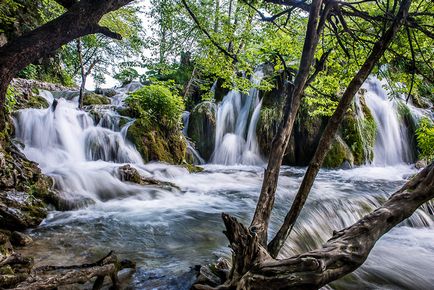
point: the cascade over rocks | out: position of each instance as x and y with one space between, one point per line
355 146
26 93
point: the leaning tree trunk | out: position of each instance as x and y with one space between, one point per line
82 73
81 19
329 133
342 254
280 142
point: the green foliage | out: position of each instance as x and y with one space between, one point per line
159 102
127 75
7 10
10 99
30 72
425 139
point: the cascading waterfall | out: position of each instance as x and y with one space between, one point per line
166 230
79 155
236 120
392 140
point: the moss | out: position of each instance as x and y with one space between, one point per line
193 168
156 143
95 99
359 133
338 154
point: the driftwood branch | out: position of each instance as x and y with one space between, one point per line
51 277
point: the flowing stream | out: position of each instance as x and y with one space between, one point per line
169 230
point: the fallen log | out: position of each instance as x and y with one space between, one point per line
51 277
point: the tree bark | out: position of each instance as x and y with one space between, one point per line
342 254
51 277
329 133
266 199
81 19
82 73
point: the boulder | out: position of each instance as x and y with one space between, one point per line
95 99
157 143
19 239
19 210
339 155
201 128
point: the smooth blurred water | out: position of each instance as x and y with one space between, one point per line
167 230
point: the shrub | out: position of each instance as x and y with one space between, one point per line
159 102
425 139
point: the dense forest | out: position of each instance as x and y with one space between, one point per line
139 138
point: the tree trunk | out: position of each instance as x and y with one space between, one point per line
81 19
342 254
266 199
83 74
329 133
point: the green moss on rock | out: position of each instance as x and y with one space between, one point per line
156 143
359 133
95 99
339 154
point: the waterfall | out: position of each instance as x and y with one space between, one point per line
80 155
392 140
236 119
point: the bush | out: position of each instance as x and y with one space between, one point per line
159 102
425 139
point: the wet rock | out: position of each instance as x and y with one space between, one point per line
130 174
95 99
157 143
5 244
19 210
106 92
201 128
421 164
358 130
339 155
26 93
19 239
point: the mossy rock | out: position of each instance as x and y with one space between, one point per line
37 102
338 155
201 128
157 144
95 99
19 210
359 132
